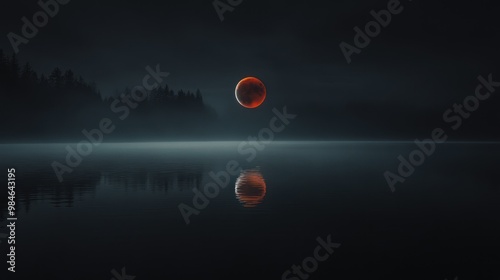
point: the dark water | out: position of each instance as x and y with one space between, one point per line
120 208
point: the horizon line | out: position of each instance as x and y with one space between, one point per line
280 141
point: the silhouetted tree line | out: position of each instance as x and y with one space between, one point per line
60 105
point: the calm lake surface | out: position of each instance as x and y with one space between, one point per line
120 209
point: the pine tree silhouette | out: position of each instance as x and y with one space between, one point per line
63 103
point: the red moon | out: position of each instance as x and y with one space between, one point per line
250 92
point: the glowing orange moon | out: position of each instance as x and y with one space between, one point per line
250 188
250 92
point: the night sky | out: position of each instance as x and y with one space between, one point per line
426 59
